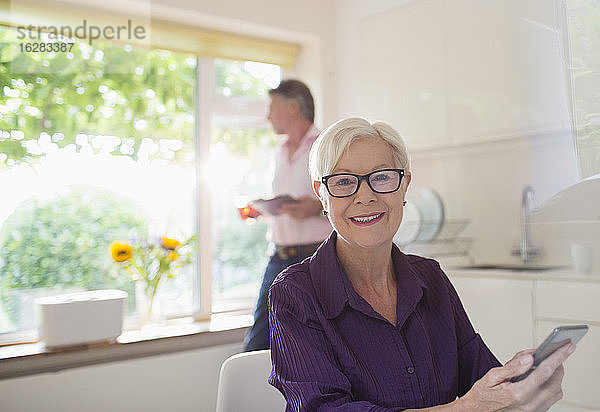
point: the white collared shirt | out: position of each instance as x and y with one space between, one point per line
293 178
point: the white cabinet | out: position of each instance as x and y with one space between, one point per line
582 369
501 311
568 300
570 303
517 311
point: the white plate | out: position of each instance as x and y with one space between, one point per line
431 207
410 226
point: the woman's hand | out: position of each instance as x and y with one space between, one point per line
540 390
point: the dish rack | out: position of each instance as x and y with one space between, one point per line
446 243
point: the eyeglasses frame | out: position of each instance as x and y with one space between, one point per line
360 178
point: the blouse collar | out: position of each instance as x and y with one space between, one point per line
334 289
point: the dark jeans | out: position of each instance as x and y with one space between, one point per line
258 336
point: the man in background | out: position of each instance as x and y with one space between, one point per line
299 228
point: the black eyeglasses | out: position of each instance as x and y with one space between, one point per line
347 184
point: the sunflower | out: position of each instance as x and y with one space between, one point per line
170 244
120 251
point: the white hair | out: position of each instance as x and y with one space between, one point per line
333 141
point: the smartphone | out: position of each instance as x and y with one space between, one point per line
559 337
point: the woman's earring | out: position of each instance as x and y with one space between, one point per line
325 212
404 203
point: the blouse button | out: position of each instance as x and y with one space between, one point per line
410 369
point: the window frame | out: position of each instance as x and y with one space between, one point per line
209 103
566 50
203 276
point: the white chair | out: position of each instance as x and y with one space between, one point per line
243 385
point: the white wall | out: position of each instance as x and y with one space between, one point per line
183 381
478 91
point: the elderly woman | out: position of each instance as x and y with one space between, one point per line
360 326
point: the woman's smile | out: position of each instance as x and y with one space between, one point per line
367 219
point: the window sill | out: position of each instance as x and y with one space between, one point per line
180 335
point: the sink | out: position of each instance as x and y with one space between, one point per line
514 267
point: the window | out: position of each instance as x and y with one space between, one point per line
583 22
242 155
88 156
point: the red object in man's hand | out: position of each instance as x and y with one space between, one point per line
248 212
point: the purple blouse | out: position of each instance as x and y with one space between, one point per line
331 351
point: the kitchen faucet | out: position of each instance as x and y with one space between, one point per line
526 250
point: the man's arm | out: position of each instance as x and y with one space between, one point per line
305 207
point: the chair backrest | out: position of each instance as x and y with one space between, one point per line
243 385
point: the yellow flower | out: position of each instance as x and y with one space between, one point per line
170 244
172 255
120 251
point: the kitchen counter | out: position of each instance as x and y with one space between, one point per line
563 274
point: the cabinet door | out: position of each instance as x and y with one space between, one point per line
500 310
582 369
577 301
570 303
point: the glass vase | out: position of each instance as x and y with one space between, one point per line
149 305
